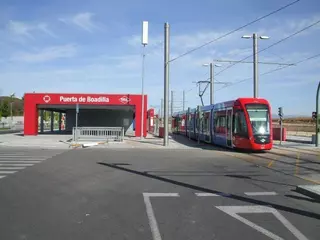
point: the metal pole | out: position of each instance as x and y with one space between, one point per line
166 83
142 93
11 112
171 103
183 99
255 65
280 131
318 117
161 110
211 84
188 124
198 123
77 111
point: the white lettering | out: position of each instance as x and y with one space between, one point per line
97 99
68 99
82 99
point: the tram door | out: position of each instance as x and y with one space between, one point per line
229 113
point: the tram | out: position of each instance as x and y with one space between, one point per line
243 123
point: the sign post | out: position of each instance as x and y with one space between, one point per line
280 113
199 122
317 117
77 112
188 125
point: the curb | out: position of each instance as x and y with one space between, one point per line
299 141
308 191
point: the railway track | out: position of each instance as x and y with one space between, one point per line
294 163
268 160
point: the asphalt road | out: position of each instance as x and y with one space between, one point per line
153 194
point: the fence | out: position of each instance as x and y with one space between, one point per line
303 130
98 134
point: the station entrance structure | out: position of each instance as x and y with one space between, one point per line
95 110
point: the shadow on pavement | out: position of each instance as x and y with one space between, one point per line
231 196
302 198
243 175
56 133
194 143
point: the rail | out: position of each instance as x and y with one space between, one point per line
98 134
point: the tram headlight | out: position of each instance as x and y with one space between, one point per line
262 130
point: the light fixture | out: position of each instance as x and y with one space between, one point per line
264 37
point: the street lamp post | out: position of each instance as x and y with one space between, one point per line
11 109
255 60
212 65
144 42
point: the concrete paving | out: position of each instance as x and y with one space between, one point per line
40 141
300 139
97 193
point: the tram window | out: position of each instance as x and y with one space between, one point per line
205 123
219 122
240 125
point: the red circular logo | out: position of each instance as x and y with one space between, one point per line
46 98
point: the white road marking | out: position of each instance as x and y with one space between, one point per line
2 176
7 172
19 161
161 194
235 210
152 219
12 168
207 195
12 154
23 158
260 193
16 164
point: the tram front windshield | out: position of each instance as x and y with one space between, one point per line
259 118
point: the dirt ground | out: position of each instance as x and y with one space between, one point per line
297 124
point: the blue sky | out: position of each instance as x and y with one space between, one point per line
94 47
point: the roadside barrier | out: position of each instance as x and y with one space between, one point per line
98 134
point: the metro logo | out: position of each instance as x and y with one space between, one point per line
124 100
46 98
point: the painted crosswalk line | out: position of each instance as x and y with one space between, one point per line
11 162
7 172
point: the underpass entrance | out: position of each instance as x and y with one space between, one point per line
94 111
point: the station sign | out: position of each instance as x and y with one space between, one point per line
86 99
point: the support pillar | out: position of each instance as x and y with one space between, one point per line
52 121
41 120
60 121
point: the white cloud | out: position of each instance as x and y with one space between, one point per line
47 54
298 24
82 20
22 29
44 27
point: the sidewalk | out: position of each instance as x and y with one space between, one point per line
296 145
40 141
299 139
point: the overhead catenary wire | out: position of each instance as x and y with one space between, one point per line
235 30
270 71
272 45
